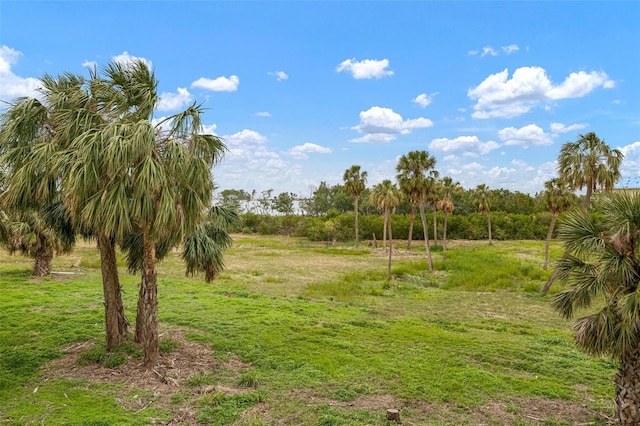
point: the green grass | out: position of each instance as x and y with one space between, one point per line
321 331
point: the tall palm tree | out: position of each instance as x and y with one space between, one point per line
445 204
589 163
482 201
355 182
558 198
34 137
603 267
411 169
387 196
133 177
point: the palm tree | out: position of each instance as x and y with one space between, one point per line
411 170
131 177
558 198
355 182
445 204
589 163
482 201
603 267
34 136
387 196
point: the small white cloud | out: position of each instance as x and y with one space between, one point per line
90 64
522 165
279 75
609 84
488 50
504 97
301 151
263 114
562 128
220 84
423 99
13 86
209 129
365 69
124 58
512 48
630 167
173 101
473 52
382 124
469 145
530 135
245 138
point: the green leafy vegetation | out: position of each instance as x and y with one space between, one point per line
328 342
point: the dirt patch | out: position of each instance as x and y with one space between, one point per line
166 386
513 412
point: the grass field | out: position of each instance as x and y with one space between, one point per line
300 333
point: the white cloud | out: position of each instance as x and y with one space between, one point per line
263 114
124 58
488 50
522 165
300 151
173 101
279 75
501 96
90 64
469 145
220 84
630 167
209 129
609 84
365 69
423 99
512 48
530 135
244 139
561 128
473 52
382 124
13 86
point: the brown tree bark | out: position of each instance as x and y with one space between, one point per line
627 384
388 214
489 222
426 236
546 245
355 212
116 324
444 237
411 220
42 264
435 226
147 314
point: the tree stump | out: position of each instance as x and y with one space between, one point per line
393 415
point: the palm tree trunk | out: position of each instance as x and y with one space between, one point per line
549 234
426 236
587 197
147 317
388 214
43 258
489 222
355 211
444 237
627 384
384 232
411 220
116 324
435 226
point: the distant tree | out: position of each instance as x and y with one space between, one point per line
482 201
445 204
386 195
603 267
589 163
321 200
355 182
558 198
411 169
236 199
283 203
265 202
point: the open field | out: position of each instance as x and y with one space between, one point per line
300 333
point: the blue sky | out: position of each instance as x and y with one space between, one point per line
300 91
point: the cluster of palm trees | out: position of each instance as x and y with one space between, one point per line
417 182
86 157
